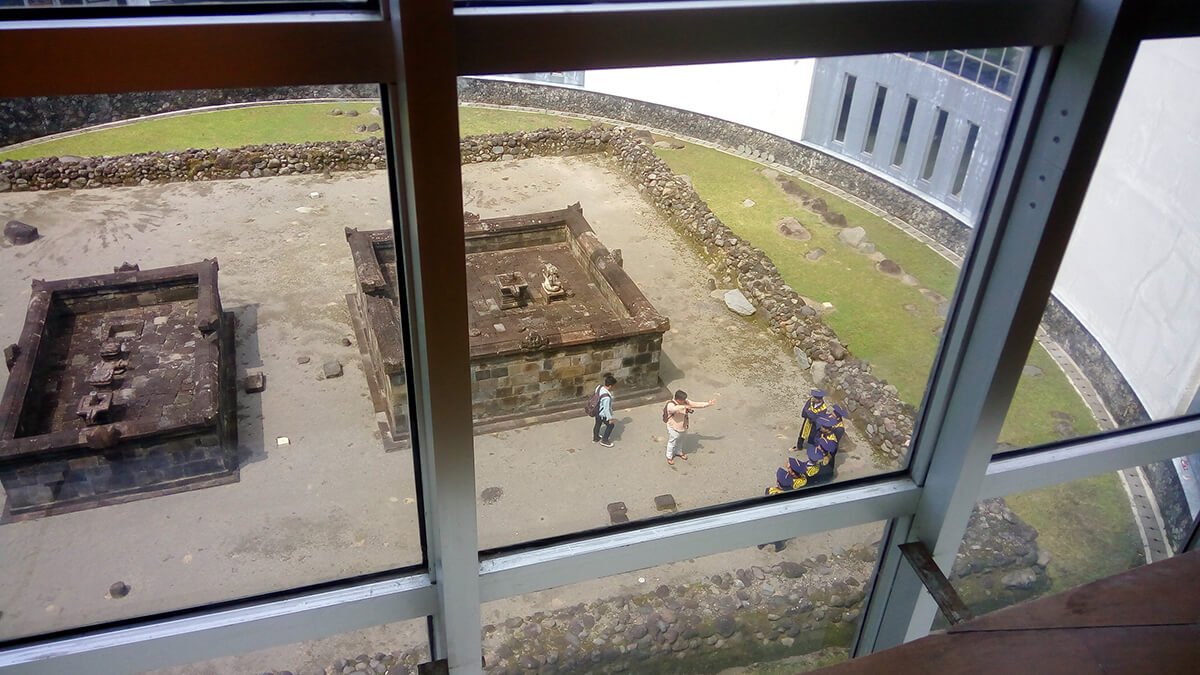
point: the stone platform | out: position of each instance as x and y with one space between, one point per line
550 311
121 386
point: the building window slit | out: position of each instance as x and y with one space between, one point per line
964 162
910 111
844 116
876 114
935 144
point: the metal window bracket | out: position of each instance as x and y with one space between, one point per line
948 601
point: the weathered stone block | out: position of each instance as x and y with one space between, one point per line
254 382
331 369
664 503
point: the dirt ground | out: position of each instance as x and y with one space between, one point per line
330 503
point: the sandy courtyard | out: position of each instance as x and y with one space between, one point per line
331 503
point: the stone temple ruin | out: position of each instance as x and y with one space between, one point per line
551 309
121 386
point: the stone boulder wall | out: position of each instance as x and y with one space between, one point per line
251 161
999 562
758 613
38 116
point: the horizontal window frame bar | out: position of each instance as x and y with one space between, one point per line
206 634
616 553
1166 19
496 40
217 52
1114 451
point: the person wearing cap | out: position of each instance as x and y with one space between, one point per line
839 427
816 414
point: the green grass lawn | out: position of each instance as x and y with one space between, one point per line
884 321
284 123
1087 525
477 121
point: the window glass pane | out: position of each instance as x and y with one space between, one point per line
1052 539
788 606
970 69
722 207
844 115
1123 321
935 145
1004 83
1121 330
201 418
390 649
876 116
971 65
954 61
993 55
987 76
1012 59
964 162
910 111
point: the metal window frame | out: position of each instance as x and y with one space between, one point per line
991 326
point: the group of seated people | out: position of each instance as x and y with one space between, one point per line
820 434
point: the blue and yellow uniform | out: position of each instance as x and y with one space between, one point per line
817 415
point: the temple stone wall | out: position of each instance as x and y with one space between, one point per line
389 375
140 468
521 239
550 379
167 416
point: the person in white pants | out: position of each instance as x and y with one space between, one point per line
676 414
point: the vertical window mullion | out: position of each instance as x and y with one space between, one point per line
426 116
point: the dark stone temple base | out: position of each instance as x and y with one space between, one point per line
153 353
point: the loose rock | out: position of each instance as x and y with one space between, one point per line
20 233
332 369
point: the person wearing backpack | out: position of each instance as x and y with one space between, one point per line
599 406
675 415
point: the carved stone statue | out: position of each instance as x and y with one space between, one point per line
552 283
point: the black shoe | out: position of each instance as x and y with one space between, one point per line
606 444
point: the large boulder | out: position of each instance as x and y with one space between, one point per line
19 233
792 229
737 301
852 236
